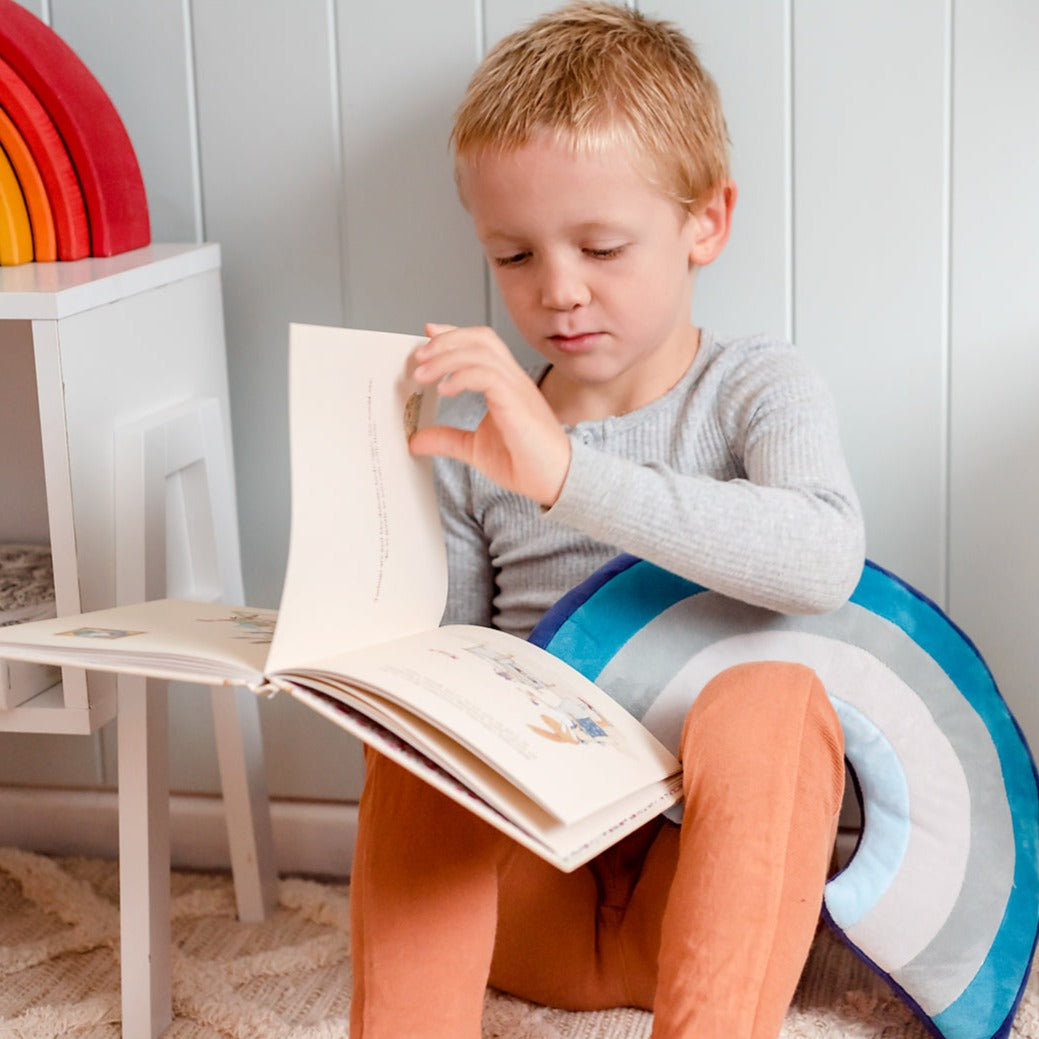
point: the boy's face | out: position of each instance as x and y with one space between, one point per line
596 268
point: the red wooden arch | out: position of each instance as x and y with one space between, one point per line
86 119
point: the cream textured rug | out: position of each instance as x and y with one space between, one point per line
289 977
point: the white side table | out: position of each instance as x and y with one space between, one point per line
117 442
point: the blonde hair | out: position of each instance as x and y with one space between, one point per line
596 75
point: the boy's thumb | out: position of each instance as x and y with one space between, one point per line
440 440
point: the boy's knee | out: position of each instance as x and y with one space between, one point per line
756 705
761 685
757 726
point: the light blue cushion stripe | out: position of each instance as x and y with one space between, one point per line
885 835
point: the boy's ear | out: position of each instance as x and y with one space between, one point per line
710 225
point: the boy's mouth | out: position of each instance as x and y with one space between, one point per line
575 343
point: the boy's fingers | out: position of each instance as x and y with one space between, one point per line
444 338
436 330
456 370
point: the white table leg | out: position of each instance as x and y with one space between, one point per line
243 780
144 857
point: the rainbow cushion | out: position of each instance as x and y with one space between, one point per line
942 893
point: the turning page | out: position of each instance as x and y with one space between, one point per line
366 552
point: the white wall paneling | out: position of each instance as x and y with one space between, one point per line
270 179
140 51
886 158
410 257
869 118
994 501
748 288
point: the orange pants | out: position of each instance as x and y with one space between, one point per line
708 925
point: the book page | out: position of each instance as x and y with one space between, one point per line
561 740
167 638
366 554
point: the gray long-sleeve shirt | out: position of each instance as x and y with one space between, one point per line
735 479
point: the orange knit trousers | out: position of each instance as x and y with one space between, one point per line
707 925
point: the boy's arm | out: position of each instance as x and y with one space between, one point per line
784 531
794 550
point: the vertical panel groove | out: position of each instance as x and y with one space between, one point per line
480 26
198 211
948 93
338 144
482 44
788 138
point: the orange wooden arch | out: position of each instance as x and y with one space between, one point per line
15 232
41 218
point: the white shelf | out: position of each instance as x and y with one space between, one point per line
102 346
50 291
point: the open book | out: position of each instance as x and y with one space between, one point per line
498 724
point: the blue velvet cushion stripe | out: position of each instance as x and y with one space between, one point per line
586 630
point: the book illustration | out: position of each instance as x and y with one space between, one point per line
572 721
563 718
100 633
256 626
253 626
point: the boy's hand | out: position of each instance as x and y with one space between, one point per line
520 444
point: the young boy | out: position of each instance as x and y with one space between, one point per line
591 154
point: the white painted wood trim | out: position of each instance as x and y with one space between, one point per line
310 838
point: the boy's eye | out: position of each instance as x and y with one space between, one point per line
510 261
605 254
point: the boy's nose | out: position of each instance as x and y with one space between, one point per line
562 288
